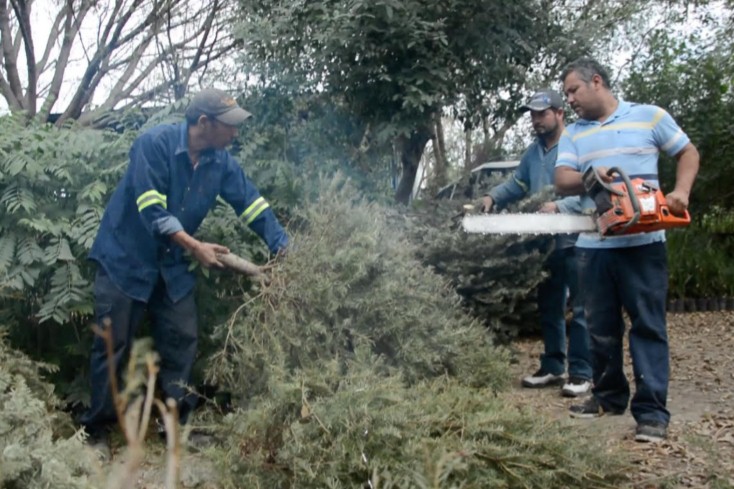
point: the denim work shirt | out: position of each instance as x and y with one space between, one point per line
162 193
535 173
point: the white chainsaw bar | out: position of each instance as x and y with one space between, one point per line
528 224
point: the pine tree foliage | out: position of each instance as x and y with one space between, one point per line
34 454
496 275
351 283
358 365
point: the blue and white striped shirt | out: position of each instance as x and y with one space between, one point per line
630 139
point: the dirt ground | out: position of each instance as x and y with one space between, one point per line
699 452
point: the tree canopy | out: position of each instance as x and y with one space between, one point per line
395 64
107 54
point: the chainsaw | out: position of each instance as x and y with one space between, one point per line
627 207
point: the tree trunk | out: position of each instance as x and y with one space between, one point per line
411 149
440 176
467 148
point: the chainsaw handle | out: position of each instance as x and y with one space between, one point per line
674 219
593 182
630 193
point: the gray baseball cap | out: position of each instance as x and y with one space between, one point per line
543 99
218 105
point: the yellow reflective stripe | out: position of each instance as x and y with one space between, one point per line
151 197
257 202
254 210
151 201
257 212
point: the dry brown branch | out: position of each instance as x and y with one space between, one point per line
106 335
134 419
169 413
152 366
124 476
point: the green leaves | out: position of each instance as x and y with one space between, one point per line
7 251
53 186
67 290
58 250
390 61
15 198
34 455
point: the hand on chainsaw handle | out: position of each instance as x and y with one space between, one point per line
603 176
677 201
548 208
487 204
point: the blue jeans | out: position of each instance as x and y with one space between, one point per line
635 279
563 277
174 330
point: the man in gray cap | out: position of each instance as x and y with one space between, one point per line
175 175
536 173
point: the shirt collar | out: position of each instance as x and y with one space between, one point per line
622 109
183 138
206 156
541 145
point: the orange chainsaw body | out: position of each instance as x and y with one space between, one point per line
633 206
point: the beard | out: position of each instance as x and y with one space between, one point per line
544 130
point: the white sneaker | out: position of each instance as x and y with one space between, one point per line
541 378
575 387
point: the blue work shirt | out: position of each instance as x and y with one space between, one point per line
535 173
162 193
630 139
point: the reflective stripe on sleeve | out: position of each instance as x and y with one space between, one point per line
151 197
254 210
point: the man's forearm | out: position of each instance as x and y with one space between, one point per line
688 164
185 240
568 181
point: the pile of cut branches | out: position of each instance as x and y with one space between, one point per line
357 366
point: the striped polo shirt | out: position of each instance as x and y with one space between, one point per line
630 139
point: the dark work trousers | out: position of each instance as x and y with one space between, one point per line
635 279
562 284
174 330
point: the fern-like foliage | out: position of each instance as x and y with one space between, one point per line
54 184
35 455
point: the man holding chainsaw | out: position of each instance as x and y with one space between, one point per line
534 174
627 271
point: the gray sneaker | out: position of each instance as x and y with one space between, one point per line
651 432
541 378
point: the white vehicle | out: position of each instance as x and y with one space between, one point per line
477 177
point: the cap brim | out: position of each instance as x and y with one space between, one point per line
535 107
234 116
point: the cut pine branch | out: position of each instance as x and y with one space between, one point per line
245 267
